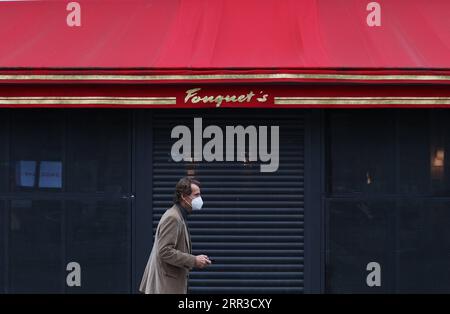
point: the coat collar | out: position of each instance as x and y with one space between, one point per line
180 209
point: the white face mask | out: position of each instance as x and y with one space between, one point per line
197 203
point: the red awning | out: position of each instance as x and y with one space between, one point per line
226 34
221 53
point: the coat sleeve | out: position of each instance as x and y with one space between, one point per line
168 234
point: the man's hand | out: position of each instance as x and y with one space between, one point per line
201 261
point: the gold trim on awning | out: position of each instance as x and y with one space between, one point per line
168 77
89 100
362 100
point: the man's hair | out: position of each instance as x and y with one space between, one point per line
183 187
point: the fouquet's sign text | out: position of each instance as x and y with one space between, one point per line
194 96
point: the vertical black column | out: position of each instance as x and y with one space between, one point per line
314 207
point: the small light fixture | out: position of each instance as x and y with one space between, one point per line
437 164
438 160
368 178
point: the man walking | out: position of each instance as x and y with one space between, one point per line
171 259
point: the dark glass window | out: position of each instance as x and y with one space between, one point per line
440 152
98 151
37 150
98 239
3 244
4 165
390 152
406 226
413 144
35 252
423 252
362 152
359 232
65 151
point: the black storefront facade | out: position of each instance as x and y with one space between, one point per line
357 191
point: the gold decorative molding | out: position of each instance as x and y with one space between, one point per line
193 77
88 100
362 100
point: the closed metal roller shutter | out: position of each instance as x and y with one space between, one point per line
252 222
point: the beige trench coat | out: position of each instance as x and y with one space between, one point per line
168 266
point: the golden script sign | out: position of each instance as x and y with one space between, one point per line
193 97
